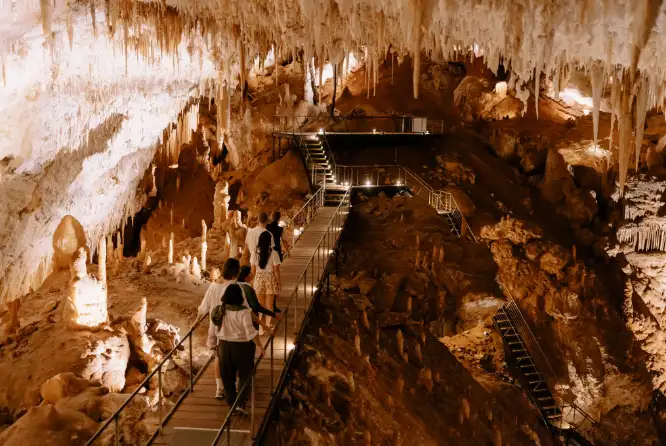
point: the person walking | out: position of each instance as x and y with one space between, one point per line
266 271
252 237
239 341
276 230
211 299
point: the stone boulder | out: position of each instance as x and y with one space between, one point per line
476 99
285 180
504 143
107 362
518 232
554 259
62 386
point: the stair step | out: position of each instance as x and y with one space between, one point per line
522 358
551 407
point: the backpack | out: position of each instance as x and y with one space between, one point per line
217 315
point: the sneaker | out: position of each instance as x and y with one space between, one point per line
219 394
241 412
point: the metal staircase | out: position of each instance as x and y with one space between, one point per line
566 420
321 165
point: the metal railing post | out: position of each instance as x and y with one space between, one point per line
252 404
159 394
117 435
286 323
191 367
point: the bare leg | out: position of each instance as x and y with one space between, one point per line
264 299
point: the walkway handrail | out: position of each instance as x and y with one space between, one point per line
295 124
441 200
569 409
319 258
301 219
157 370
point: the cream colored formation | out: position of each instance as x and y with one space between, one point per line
618 41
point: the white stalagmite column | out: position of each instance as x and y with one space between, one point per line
196 269
153 192
142 252
170 256
85 305
146 265
109 249
119 247
204 245
101 260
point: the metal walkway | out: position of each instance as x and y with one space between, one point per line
566 420
199 417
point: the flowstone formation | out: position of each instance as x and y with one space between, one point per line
642 248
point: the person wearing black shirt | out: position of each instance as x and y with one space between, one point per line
277 230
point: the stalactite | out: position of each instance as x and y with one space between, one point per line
641 112
101 260
597 77
625 134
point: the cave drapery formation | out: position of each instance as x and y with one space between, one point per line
88 87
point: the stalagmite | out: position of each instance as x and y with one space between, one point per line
357 344
146 265
204 250
364 316
409 304
434 251
153 191
441 254
170 255
182 223
196 269
139 328
142 252
171 216
109 249
164 242
119 247
418 241
417 262
101 260
399 385
85 305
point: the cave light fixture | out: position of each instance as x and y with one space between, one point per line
321 131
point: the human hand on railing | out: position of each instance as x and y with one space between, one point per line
262 350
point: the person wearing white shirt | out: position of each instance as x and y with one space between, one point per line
211 299
266 271
252 237
239 341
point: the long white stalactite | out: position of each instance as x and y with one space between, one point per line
95 83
